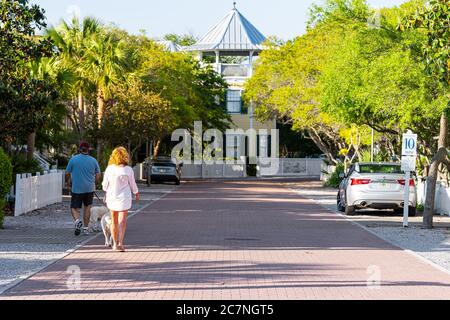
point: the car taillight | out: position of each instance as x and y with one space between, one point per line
411 182
356 182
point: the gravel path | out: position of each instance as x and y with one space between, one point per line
433 245
33 241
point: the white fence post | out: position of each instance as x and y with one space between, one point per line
37 192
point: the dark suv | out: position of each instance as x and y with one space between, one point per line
163 170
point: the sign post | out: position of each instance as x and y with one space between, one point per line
409 154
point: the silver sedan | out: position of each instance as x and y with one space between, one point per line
376 186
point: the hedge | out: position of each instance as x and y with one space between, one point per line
6 172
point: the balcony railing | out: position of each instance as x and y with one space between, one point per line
234 70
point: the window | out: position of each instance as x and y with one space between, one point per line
379 168
234 101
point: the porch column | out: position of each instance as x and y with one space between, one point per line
218 68
250 63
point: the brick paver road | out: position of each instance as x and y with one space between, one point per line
239 240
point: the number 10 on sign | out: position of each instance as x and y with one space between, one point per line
409 154
409 145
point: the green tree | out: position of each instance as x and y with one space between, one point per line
105 63
47 70
22 100
137 116
194 93
72 40
181 40
286 85
375 80
434 20
160 92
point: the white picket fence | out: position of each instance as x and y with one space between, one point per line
442 200
35 192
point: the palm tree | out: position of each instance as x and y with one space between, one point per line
72 41
106 61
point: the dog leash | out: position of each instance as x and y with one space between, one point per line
98 198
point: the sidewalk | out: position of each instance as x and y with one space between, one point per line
433 245
238 240
33 241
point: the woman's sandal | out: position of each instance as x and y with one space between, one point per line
121 248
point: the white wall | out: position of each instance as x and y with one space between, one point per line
287 167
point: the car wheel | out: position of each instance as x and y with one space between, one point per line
349 210
340 206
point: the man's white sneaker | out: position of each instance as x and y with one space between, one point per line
78 226
85 232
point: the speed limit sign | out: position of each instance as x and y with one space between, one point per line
409 154
409 145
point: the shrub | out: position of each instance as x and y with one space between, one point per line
21 164
6 173
420 207
334 180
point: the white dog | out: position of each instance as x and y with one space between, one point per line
97 214
106 227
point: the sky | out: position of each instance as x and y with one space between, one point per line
285 19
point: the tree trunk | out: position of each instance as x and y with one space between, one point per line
81 114
439 158
31 142
156 148
133 151
319 143
100 114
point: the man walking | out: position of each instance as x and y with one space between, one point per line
83 172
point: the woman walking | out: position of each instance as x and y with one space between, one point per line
119 184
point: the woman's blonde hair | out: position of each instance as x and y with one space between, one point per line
119 157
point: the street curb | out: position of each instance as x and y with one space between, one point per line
70 251
409 251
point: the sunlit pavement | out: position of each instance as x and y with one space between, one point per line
238 240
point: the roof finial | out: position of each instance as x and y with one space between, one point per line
234 5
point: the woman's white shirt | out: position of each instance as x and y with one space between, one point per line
119 184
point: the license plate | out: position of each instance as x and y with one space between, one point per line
382 186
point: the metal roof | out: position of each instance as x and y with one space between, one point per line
233 33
